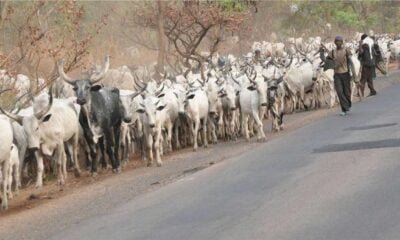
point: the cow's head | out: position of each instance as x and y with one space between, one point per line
258 83
272 91
213 100
181 98
83 87
32 124
128 103
228 96
150 109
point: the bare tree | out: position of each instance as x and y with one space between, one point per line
40 32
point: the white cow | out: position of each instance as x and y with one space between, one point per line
197 108
6 139
153 117
130 102
51 125
251 97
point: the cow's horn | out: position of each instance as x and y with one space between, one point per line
160 90
138 92
12 116
94 78
63 75
42 113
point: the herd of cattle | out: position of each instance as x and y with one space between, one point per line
128 111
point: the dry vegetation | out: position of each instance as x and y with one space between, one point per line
36 33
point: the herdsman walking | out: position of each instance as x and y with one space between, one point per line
342 78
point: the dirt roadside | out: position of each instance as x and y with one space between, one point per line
36 214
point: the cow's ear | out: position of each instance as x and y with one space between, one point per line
140 110
251 88
237 93
46 118
95 88
161 95
221 95
191 96
159 108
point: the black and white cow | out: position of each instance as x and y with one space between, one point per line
101 114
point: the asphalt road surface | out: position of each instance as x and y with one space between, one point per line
338 178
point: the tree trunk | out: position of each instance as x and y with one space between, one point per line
161 40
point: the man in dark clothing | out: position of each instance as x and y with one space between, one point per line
368 65
342 67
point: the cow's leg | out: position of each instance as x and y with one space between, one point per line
213 129
205 140
129 147
195 130
59 164
176 129
117 139
74 148
123 143
161 143
232 125
4 202
260 130
149 143
251 126
142 147
220 126
40 168
64 163
245 126
68 153
110 149
169 135
9 181
102 151
17 177
157 143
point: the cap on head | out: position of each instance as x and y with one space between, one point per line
338 38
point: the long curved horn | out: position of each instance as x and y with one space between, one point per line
43 112
94 78
233 79
138 92
5 90
63 75
159 91
277 64
137 81
302 53
290 63
12 116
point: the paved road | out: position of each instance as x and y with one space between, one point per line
337 178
